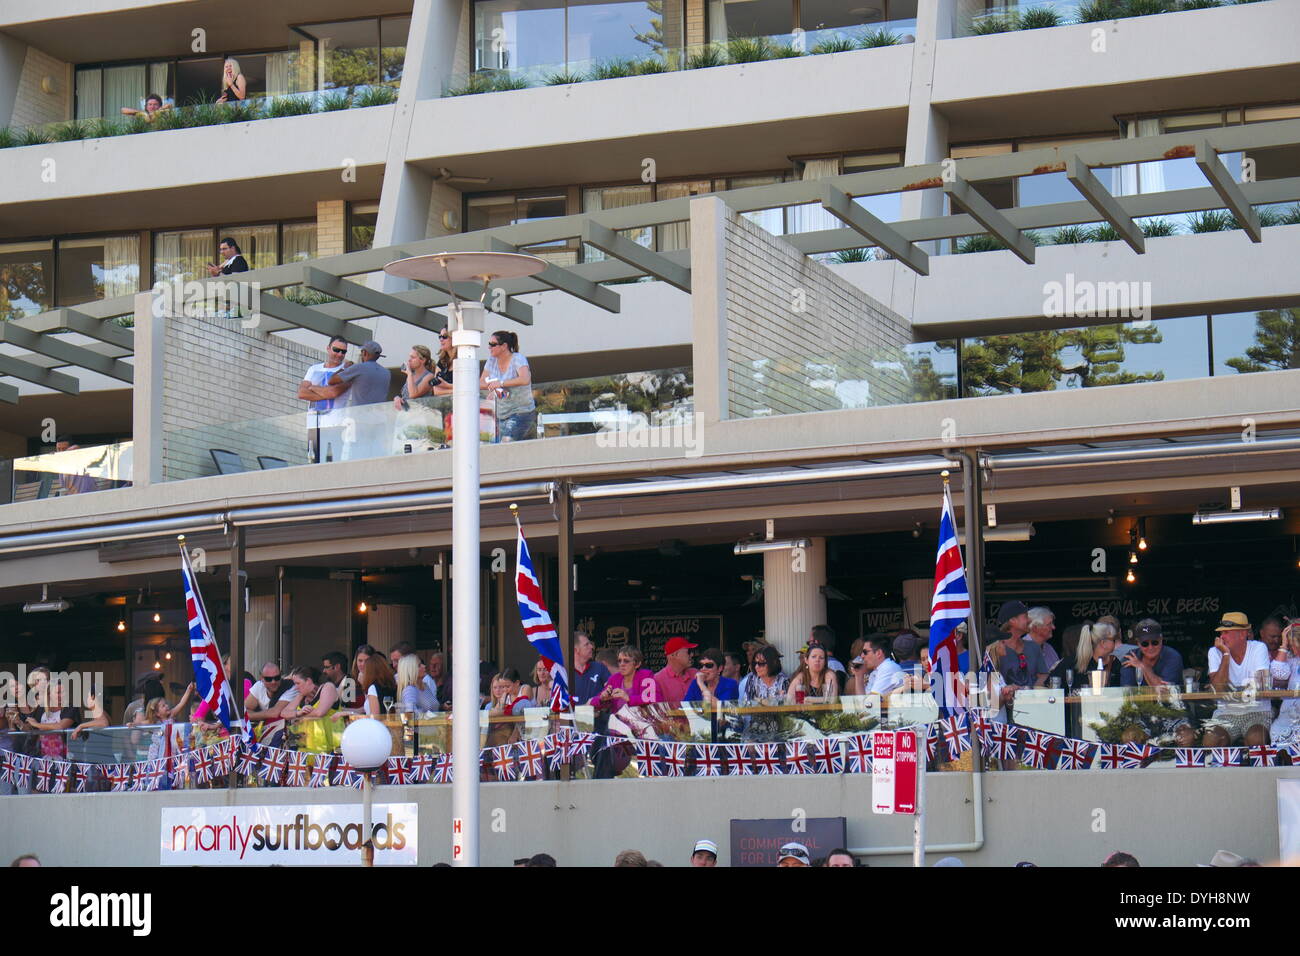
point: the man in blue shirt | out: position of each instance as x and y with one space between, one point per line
1152 663
589 676
709 684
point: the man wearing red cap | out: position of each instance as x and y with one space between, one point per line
677 675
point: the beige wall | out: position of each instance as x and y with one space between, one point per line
331 228
784 310
33 105
219 377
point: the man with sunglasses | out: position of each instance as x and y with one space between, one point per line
324 421
709 684
1152 663
264 701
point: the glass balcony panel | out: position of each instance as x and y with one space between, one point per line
519 34
72 472
631 30
1264 341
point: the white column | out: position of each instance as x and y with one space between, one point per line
792 598
709 308
147 390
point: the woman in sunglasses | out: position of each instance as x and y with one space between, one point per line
506 374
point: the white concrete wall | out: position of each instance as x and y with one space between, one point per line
33 106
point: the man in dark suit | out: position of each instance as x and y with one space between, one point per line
232 260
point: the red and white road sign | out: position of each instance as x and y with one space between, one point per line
893 773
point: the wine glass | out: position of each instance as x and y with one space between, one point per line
388 704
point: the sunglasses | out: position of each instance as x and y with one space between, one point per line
444 337
759 662
493 345
339 351
707 665
1157 642
275 678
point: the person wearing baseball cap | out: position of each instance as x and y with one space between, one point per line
676 677
705 853
1153 663
793 854
1236 662
364 383
1019 662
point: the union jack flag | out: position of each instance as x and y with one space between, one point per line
860 753
6 767
537 624
249 759
225 756
1075 755
1037 751
320 770
298 770
345 775
137 776
1262 755
556 748
153 772
82 774
647 758
1003 741
1224 757
20 767
1109 757
503 762
399 769
740 761
796 757
983 724
579 744
708 762
43 773
178 765
442 769
202 765
949 606
274 760
956 734
209 676
1294 750
674 760
532 758
119 776
767 759
1137 755
828 755
932 736
62 771
420 767
1189 757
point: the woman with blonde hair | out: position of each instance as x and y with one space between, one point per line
1096 650
420 377
414 696
234 88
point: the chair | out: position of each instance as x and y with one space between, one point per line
227 462
268 462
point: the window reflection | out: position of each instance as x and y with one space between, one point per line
1264 341
25 272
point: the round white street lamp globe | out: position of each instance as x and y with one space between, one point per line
366 744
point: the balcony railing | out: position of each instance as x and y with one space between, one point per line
1005 18
76 471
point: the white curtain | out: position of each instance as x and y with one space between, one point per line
280 74
256 244
1146 177
618 197
184 253
90 94
299 242
158 81
814 217
121 265
123 86
677 235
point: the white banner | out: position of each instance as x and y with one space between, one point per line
307 835
1288 821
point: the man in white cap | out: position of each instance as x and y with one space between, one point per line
705 853
793 854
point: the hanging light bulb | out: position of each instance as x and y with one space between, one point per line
157 618
362 608
121 626
1132 557
167 656
1131 578
1142 534
157 665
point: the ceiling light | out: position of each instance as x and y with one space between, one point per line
157 618
362 608
121 626
757 547
157 666
167 656
1132 557
1142 534
1228 517
1131 578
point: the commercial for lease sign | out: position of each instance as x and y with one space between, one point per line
309 835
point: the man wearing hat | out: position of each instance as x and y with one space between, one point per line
676 677
364 383
1018 661
1152 664
1236 662
794 854
705 853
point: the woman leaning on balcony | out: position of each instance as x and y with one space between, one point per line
234 88
420 377
507 375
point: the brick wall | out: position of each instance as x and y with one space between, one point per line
33 106
800 338
331 228
695 23
234 388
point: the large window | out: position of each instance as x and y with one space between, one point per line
577 34
485 212
105 90
99 268
362 221
188 252
26 274
731 19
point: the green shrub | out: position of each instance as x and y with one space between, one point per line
167 119
981 243
69 131
375 96
836 44
649 66
991 25
862 254
705 57
1068 235
785 51
1212 220
563 78
242 112
505 83
749 49
474 83
33 137
1146 8
1104 233
611 70
337 100
7 138
105 127
1290 215
1266 217
282 106
882 37
1199 4
1039 18
1154 228
1096 10
304 296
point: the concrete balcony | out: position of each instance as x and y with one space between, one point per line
1028 82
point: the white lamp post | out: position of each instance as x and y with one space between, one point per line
366 745
444 269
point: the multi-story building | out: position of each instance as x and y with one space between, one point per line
802 257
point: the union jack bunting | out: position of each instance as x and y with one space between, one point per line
137 779
956 734
797 760
1224 757
983 724
1294 750
931 741
62 771
442 769
249 759
1137 755
297 770
202 765
767 759
1262 756
320 770
557 749
345 775
178 764
21 766
860 753
82 773
154 771
1003 741
532 758
1188 757
399 770
828 755
503 761
6 767
42 774
1037 749
1109 757
420 767
119 776
225 760
1075 755
674 759
274 761
740 761
708 762
579 744
647 758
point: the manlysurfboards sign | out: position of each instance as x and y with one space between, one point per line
307 835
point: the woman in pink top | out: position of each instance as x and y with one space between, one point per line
632 684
